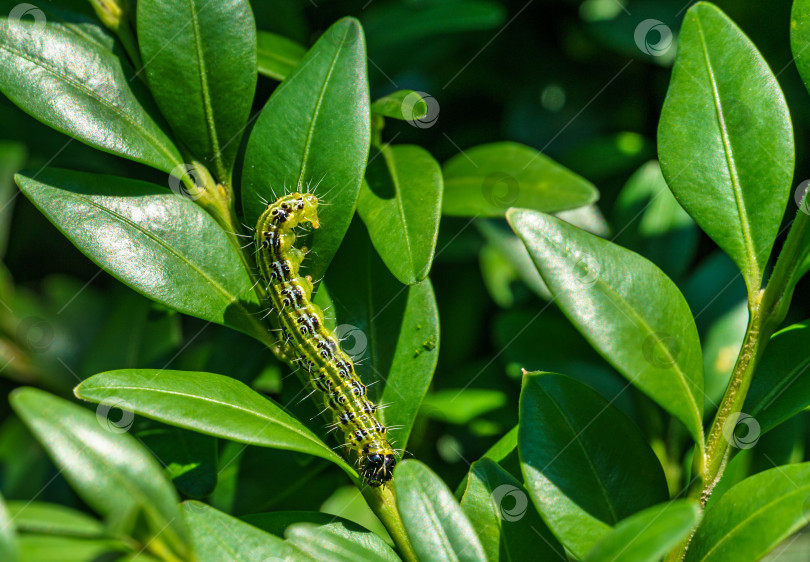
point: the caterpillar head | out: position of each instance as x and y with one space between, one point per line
378 468
307 205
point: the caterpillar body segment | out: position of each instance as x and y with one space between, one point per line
314 346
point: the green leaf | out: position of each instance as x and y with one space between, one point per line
725 139
315 131
394 327
721 346
12 158
43 548
54 519
644 328
217 536
110 470
579 455
651 222
335 542
406 105
780 388
277 522
8 534
500 512
488 179
83 90
647 535
400 202
141 234
800 38
190 458
754 516
212 404
277 55
430 513
200 63
461 405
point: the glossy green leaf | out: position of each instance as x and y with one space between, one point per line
277 55
406 105
335 542
315 131
200 62
579 456
754 516
650 221
800 38
212 404
400 202
110 470
83 90
217 536
8 534
43 548
647 535
394 328
725 139
139 233
12 158
54 519
504 518
626 307
488 179
433 517
780 388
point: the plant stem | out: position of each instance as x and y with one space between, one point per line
381 500
767 310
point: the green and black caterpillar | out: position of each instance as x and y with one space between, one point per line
314 346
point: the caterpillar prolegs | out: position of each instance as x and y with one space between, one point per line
315 346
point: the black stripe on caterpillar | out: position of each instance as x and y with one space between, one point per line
331 372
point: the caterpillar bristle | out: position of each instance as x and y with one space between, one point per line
316 348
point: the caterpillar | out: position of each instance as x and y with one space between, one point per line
312 344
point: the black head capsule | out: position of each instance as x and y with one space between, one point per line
378 468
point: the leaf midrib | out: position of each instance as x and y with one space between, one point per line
229 298
751 516
627 308
94 95
293 429
208 107
316 111
390 161
577 439
728 152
